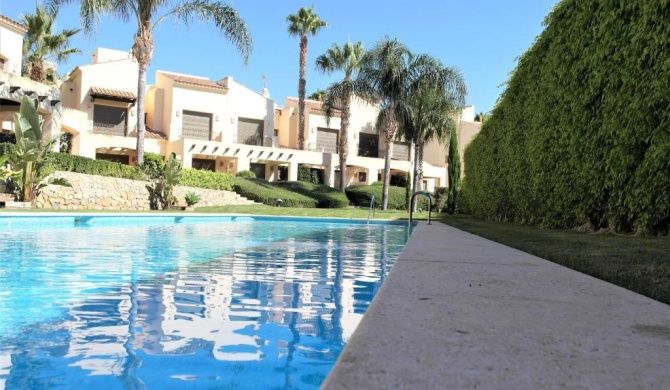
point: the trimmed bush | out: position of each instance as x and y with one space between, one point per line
153 164
398 180
267 193
206 179
246 174
360 196
326 197
441 197
79 164
580 137
310 175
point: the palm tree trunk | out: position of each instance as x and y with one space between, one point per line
343 144
390 128
141 88
38 73
302 83
143 50
415 174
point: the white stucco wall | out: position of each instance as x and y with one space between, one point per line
11 46
244 102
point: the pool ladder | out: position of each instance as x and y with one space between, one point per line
411 202
371 210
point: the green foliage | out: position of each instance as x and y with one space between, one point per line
265 192
89 166
310 175
360 196
580 135
191 198
246 174
207 179
327 197
399 180
454 165
161 187
65 143
5 148
152 164
31 155
441 196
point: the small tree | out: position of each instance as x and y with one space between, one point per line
161 187
31 154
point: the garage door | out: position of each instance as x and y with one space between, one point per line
196 125
249 131
326 140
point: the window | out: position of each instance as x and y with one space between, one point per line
110 120
368 145
196 125
203 164
326 140
258 169
250 131
117 158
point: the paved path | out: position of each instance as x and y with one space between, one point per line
461 312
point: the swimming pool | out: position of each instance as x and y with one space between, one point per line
184 302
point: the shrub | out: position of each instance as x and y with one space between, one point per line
207 179
360 196
441 197
153 164
310 175
79 164
267 193
326 197
191 198
246 174
4 148
398 180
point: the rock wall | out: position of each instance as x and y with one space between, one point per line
89 192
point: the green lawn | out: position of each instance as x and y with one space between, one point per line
640 264
347 212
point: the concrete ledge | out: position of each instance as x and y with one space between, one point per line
459 311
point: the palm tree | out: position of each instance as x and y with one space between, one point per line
382 79
347 59
225 18
41 44
317 95
434 95
300 24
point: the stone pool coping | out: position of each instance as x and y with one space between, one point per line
460 311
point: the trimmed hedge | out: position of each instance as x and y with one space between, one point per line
78 164
262 191
327 197
246 174
7 138
360 196
580 136
206 179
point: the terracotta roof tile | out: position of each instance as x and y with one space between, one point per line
13 23
113 93
151 133
195 81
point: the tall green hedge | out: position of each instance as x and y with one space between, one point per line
360 196
265 192
581 135
79 164
207 179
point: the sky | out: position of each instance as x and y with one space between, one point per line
481 38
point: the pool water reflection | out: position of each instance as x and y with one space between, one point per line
246 304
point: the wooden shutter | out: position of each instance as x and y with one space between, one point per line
196 125
249 131
109 120
401 151
326 140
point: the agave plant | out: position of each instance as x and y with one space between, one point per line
192 198
30 157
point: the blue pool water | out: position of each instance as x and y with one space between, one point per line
195 302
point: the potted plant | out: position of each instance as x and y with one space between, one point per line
191 199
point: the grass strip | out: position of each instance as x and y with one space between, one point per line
639 264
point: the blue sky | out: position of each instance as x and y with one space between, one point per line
482 38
